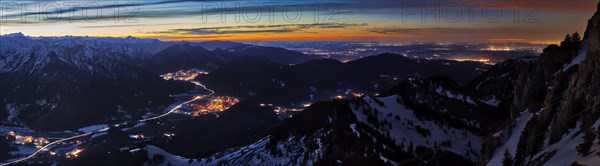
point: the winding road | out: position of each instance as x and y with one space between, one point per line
171 109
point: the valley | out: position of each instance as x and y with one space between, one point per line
50 148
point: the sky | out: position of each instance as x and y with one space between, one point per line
535 21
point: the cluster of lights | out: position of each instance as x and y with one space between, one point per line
354 94
497 49
40 142
282 110
482 60
306 105
74 153
358 94
25 139
216 104
263 105
136 136
182 75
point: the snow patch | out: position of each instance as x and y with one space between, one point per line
580 57
353 127
98 135
93 128
169 159
492 102
512 143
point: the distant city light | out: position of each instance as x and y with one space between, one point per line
498 49
306 105
482 60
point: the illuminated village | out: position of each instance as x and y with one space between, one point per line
182 75
212 104
40 142
482 60
74 153
27 140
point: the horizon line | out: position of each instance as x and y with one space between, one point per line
491 41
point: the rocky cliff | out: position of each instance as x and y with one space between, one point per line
558 96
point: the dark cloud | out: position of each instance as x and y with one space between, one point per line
79 13
278 28
123 25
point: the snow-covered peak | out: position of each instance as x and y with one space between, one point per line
19 52
19 34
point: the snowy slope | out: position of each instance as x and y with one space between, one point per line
170 159
394 122
564 152
405 128
580 57
293 152
513 140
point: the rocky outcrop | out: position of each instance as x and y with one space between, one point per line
563 90
532 85
582 97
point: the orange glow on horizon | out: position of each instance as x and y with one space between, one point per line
333 36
